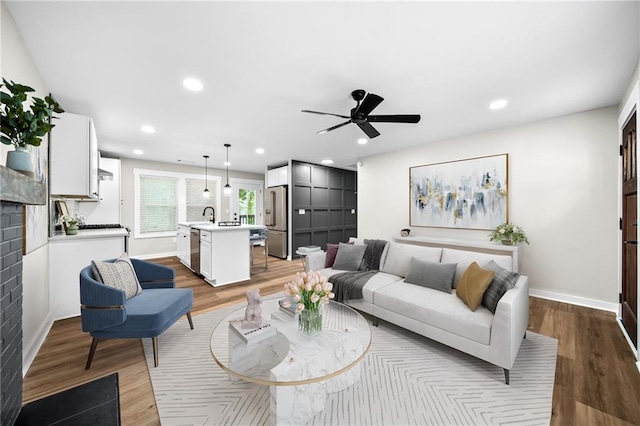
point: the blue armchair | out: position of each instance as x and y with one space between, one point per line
107 313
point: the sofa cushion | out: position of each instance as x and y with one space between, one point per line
118 274
473 284
438 276
349 257
464 258
151 313
399 256
503 280
375 283
332 251
439 309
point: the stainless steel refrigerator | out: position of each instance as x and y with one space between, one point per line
275 215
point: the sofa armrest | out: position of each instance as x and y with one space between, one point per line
315 261
151 275
511 320
101 306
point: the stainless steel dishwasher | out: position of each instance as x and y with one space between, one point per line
195 250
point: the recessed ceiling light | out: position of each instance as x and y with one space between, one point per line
363 141
138 151
192 84
327 161
226 163
498 104
260 151
148 129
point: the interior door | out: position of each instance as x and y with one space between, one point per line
248 202
629 296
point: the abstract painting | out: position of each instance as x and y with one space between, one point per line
469 194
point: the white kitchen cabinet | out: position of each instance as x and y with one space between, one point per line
68 255
278 176
205 254
74 157
107 209
183 243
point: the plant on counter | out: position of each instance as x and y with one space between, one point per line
508 233
20 127
75 220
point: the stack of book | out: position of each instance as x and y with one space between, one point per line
253 335
291 309
308 249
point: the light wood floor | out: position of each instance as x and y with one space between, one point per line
596 382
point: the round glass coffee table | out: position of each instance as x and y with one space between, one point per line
301 370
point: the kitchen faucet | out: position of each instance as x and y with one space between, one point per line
212 218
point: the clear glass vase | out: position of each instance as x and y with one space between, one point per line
310 321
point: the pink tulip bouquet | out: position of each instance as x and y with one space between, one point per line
309 290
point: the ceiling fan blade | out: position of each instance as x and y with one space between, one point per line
325 113
368 129
334 127
399 118
368 104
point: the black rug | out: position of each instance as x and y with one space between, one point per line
96 403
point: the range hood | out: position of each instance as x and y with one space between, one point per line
104 174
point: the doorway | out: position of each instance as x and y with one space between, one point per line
629 293
247 201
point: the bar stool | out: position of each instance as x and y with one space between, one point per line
259 235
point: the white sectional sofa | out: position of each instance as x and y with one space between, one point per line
441 316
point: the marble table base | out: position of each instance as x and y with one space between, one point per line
284 360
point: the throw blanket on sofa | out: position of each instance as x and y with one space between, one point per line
348 285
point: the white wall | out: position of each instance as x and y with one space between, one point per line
562 191
149 247
17 65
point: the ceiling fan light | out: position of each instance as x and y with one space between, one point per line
363 141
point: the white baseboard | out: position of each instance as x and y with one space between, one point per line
626 336
155 255
29 354
575 300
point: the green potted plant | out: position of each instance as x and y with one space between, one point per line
20 127
509 234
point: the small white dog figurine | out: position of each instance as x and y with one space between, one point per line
253 314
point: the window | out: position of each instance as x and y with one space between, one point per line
158 204
162 199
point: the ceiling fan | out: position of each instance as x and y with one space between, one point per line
360 114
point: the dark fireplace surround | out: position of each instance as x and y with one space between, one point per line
16 190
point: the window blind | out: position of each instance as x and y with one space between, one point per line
158 204
196 202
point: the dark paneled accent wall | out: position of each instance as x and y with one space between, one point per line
11 313
328 197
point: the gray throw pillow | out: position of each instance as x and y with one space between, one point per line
438 276
119 274
349 257
503 280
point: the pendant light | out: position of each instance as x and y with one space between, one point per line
227 187
205 193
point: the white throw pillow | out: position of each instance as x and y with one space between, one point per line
119 274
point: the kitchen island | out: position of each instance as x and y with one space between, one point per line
224 252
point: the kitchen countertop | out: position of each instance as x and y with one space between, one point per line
208 226
90 233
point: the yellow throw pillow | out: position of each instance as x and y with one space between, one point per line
473 284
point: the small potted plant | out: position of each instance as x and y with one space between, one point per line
71 223
509 234
20 127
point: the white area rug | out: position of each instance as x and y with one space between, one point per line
406 379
